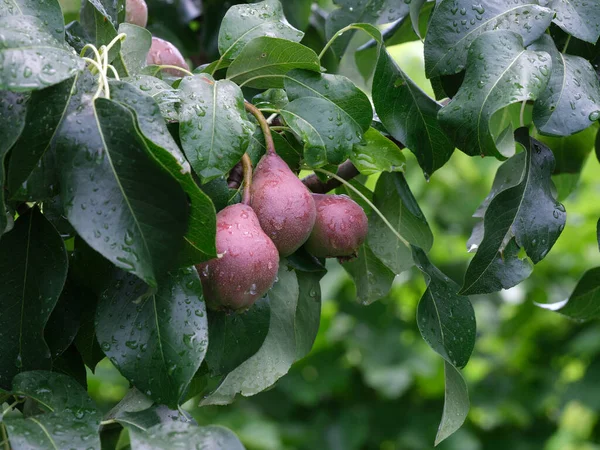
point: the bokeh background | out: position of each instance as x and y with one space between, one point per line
370 381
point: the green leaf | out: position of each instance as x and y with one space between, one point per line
234 338
162 92
328 136
571 101
455 24
63 324
584 301
264 61
134 49
415 9
372 278
456 403
70 363
13 110
352 103
578 18
271 98
395 200
499 72
71 421
359 11
377 154
527 211
242 23
120 201
147 418
33 261
446 320
134 401
156 337
48 11
99 24
409 114
199 240
31 57
184 435
277 353
308 312
32 173
213 127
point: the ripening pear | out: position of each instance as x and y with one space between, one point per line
248 262
164 53
341 227
283 204
136 12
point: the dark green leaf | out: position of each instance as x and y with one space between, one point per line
527 211
99 24
120 201
133 401
415 10
71 421
571 101
54 212
395 200
63 324
277 353
32 58
70 363
234 338
156 337
213 129
409 115
199 240
48 11
456 403
499 72
579 18
147 418
134 49
242 23
264 61
584 301
13 109
32 174
271 98
446 320
184 435
308 312
33 261
162 92
372 278
455 24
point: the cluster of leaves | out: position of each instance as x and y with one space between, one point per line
113 179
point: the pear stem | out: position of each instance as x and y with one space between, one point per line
247 166
264 126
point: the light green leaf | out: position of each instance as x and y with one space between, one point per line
372 278
377 154
456 403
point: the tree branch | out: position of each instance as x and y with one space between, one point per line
346 170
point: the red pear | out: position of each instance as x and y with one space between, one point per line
341 227
283 204
136 12
248 262
164 53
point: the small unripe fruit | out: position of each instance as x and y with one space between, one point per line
248 264
164 53
283 205
341 227
136 12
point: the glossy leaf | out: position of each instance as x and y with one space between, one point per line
571 101
33 261
446 320
395 200
499 72
32 58
277 353
456 403
579 18
584 301
264 61
242 23
165 96
527 211
455 24
234 338
184 435
120 201
415 10
409 115
156 337
372 278
308 312
134 49
213 130
199 240
377 154
99 24
13 109
147 418
63 323
71 421
48 11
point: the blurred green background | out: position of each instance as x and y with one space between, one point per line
371 382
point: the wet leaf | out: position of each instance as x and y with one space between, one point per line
377 154
134 49
579 18
372 278
184 435
48 11
165 96
456 403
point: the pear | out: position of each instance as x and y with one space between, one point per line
136 12
164 53
247 264
284 206
341 227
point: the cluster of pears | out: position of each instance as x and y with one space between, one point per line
280 216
